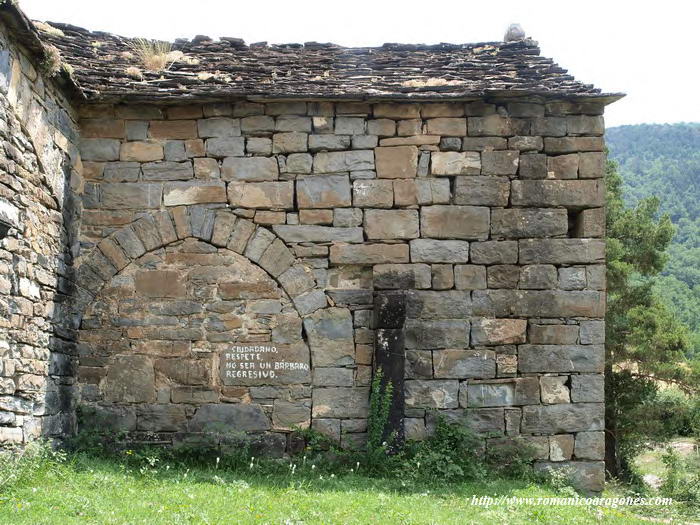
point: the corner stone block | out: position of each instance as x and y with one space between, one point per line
590 445
562 251
391 224
590 223
275 195
563 418
431 394
455 222
561 358
324 191
184 193
455 163
491 332
567 193
396 162
369 254
573 144
588 388
437 251
517 223
464 364
591 165
538 303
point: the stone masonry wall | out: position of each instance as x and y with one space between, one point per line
38 162
274 223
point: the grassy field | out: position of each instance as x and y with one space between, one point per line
86 489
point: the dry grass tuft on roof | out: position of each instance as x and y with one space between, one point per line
51 64
48 29
134 72
154 55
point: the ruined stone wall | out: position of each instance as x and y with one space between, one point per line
38 161
275 223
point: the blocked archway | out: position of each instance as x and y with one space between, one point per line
196 320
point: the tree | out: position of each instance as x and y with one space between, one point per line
646 343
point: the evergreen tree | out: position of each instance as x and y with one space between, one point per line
646 342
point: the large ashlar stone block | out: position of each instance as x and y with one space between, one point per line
591 165
409 192
538 303
455 163
562 251
173 129
538 277
396 162
469 277
498 331
199 192
590 445
455 222
494 252
517 223
590 223
490 125
563 417
324 191
161 418
391 224
219 127
401 276
275 195
342 161
441 333
562 166
340 402
130 379
219 147
464 364
369 254
140 152
167 171
438 305
431 394
287 415
314 233
292 142
255 169
553 334
396 111
373 193
499 162
330 335
225 417
447 127
561 358
573 144
100 150
130 195
568 193
482 191
442 109
588 388
554 390
436 251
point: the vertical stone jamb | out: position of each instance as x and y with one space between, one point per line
390 352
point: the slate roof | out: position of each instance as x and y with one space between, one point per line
210 69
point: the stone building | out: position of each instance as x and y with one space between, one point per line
231 241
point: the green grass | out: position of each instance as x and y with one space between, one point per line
85 489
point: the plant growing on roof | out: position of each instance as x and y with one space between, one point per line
154 55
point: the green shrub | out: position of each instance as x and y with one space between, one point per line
20 465
682 479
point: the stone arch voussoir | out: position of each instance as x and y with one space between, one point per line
220 227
